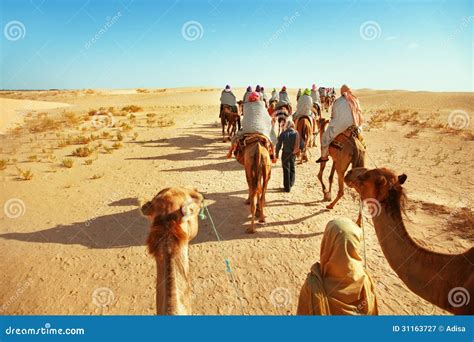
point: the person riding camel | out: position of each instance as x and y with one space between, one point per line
316 98
346 113
247 93
304 109
275 96
228 98
263 96
255 121
284 100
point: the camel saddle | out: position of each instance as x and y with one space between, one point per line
249 139
351 133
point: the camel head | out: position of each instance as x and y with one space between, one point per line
375 183
173 212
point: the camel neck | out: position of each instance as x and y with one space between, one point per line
415 265
171 279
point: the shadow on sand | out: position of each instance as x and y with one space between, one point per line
130 228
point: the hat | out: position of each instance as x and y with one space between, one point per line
254 97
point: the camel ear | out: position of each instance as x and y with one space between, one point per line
402 178
147 208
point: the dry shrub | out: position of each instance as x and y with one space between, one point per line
67 162
132 109
142 90
82 152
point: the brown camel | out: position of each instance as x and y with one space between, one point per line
258 169
446 280
349 151
173 214
229 120
305 130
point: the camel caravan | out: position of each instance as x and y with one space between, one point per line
339 283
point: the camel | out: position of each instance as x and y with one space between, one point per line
352 152
441 279
258 169
281 116
305 130
173 214
230 120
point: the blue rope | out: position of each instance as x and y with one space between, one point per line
232 278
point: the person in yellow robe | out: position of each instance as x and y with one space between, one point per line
338 284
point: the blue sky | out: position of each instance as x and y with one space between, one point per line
417 45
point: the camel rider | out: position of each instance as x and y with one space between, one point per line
275 96
263 96
284 99
304 109
316 98
228 98
247 93
255 120
346 112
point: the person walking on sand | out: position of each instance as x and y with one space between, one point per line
290 140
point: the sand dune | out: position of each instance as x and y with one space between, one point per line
79 228
13 111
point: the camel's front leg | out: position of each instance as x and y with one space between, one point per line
340 193
326 194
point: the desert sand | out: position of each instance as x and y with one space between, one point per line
75 230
